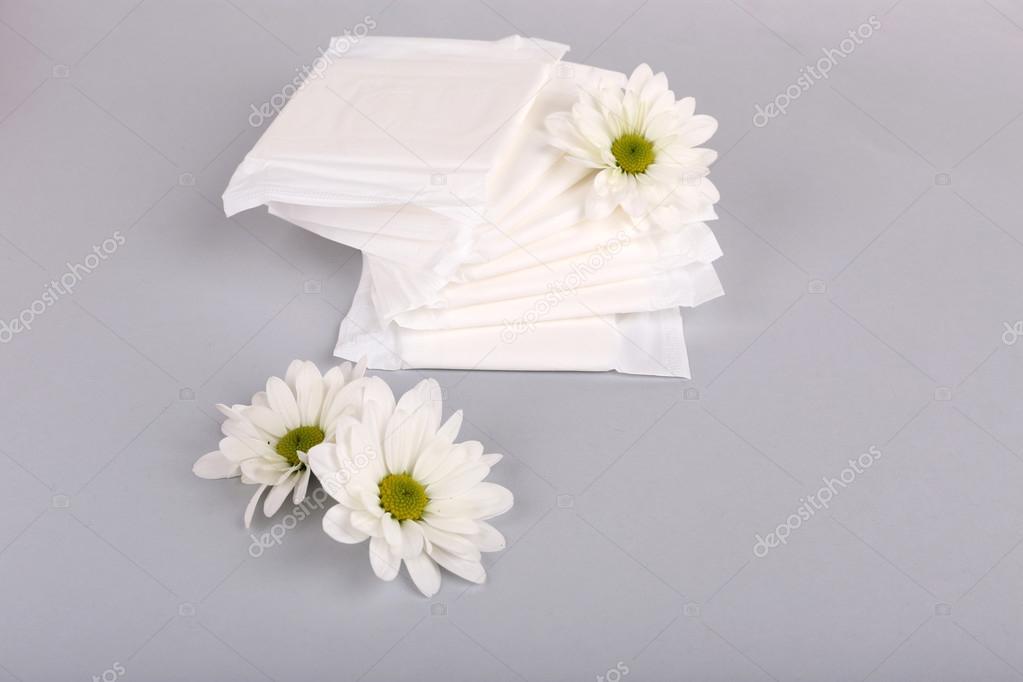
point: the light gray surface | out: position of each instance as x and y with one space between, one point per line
872 260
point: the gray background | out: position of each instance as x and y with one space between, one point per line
872 240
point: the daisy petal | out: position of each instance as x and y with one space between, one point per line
685 107
302 487
709 191
309 389
416 417
458 482
458 545
282 402
452 460
370 500
359 370
335 378
377 391
368 523
392 532
492 458
483 501
452 525
384 561
366 459
488 539
240 449
449 431
337 523
469 570
656 86
215 465
278 494
698 130
339 403
425 397
240 428
267 471
660 126
424 573
228 411
267 421
640 75
412 539
291 376
491 499
324 462
250 510
432 458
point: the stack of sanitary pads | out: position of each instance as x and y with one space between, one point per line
435 159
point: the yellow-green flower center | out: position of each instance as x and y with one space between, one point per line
633 152
403 496
298 440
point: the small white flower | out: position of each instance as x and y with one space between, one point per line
644 144
402 482
267 442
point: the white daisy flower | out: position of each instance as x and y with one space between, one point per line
645 145
266 442
403 483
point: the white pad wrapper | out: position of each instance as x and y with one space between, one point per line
396 118
650 343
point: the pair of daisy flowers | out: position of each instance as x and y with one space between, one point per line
399 478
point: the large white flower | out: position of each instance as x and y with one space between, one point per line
644 144
267 442
402 482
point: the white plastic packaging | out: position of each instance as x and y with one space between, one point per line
686 286
596 254
432 158
650 343
397 118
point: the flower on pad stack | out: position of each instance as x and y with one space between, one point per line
644 144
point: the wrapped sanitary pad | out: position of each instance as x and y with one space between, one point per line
633 343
